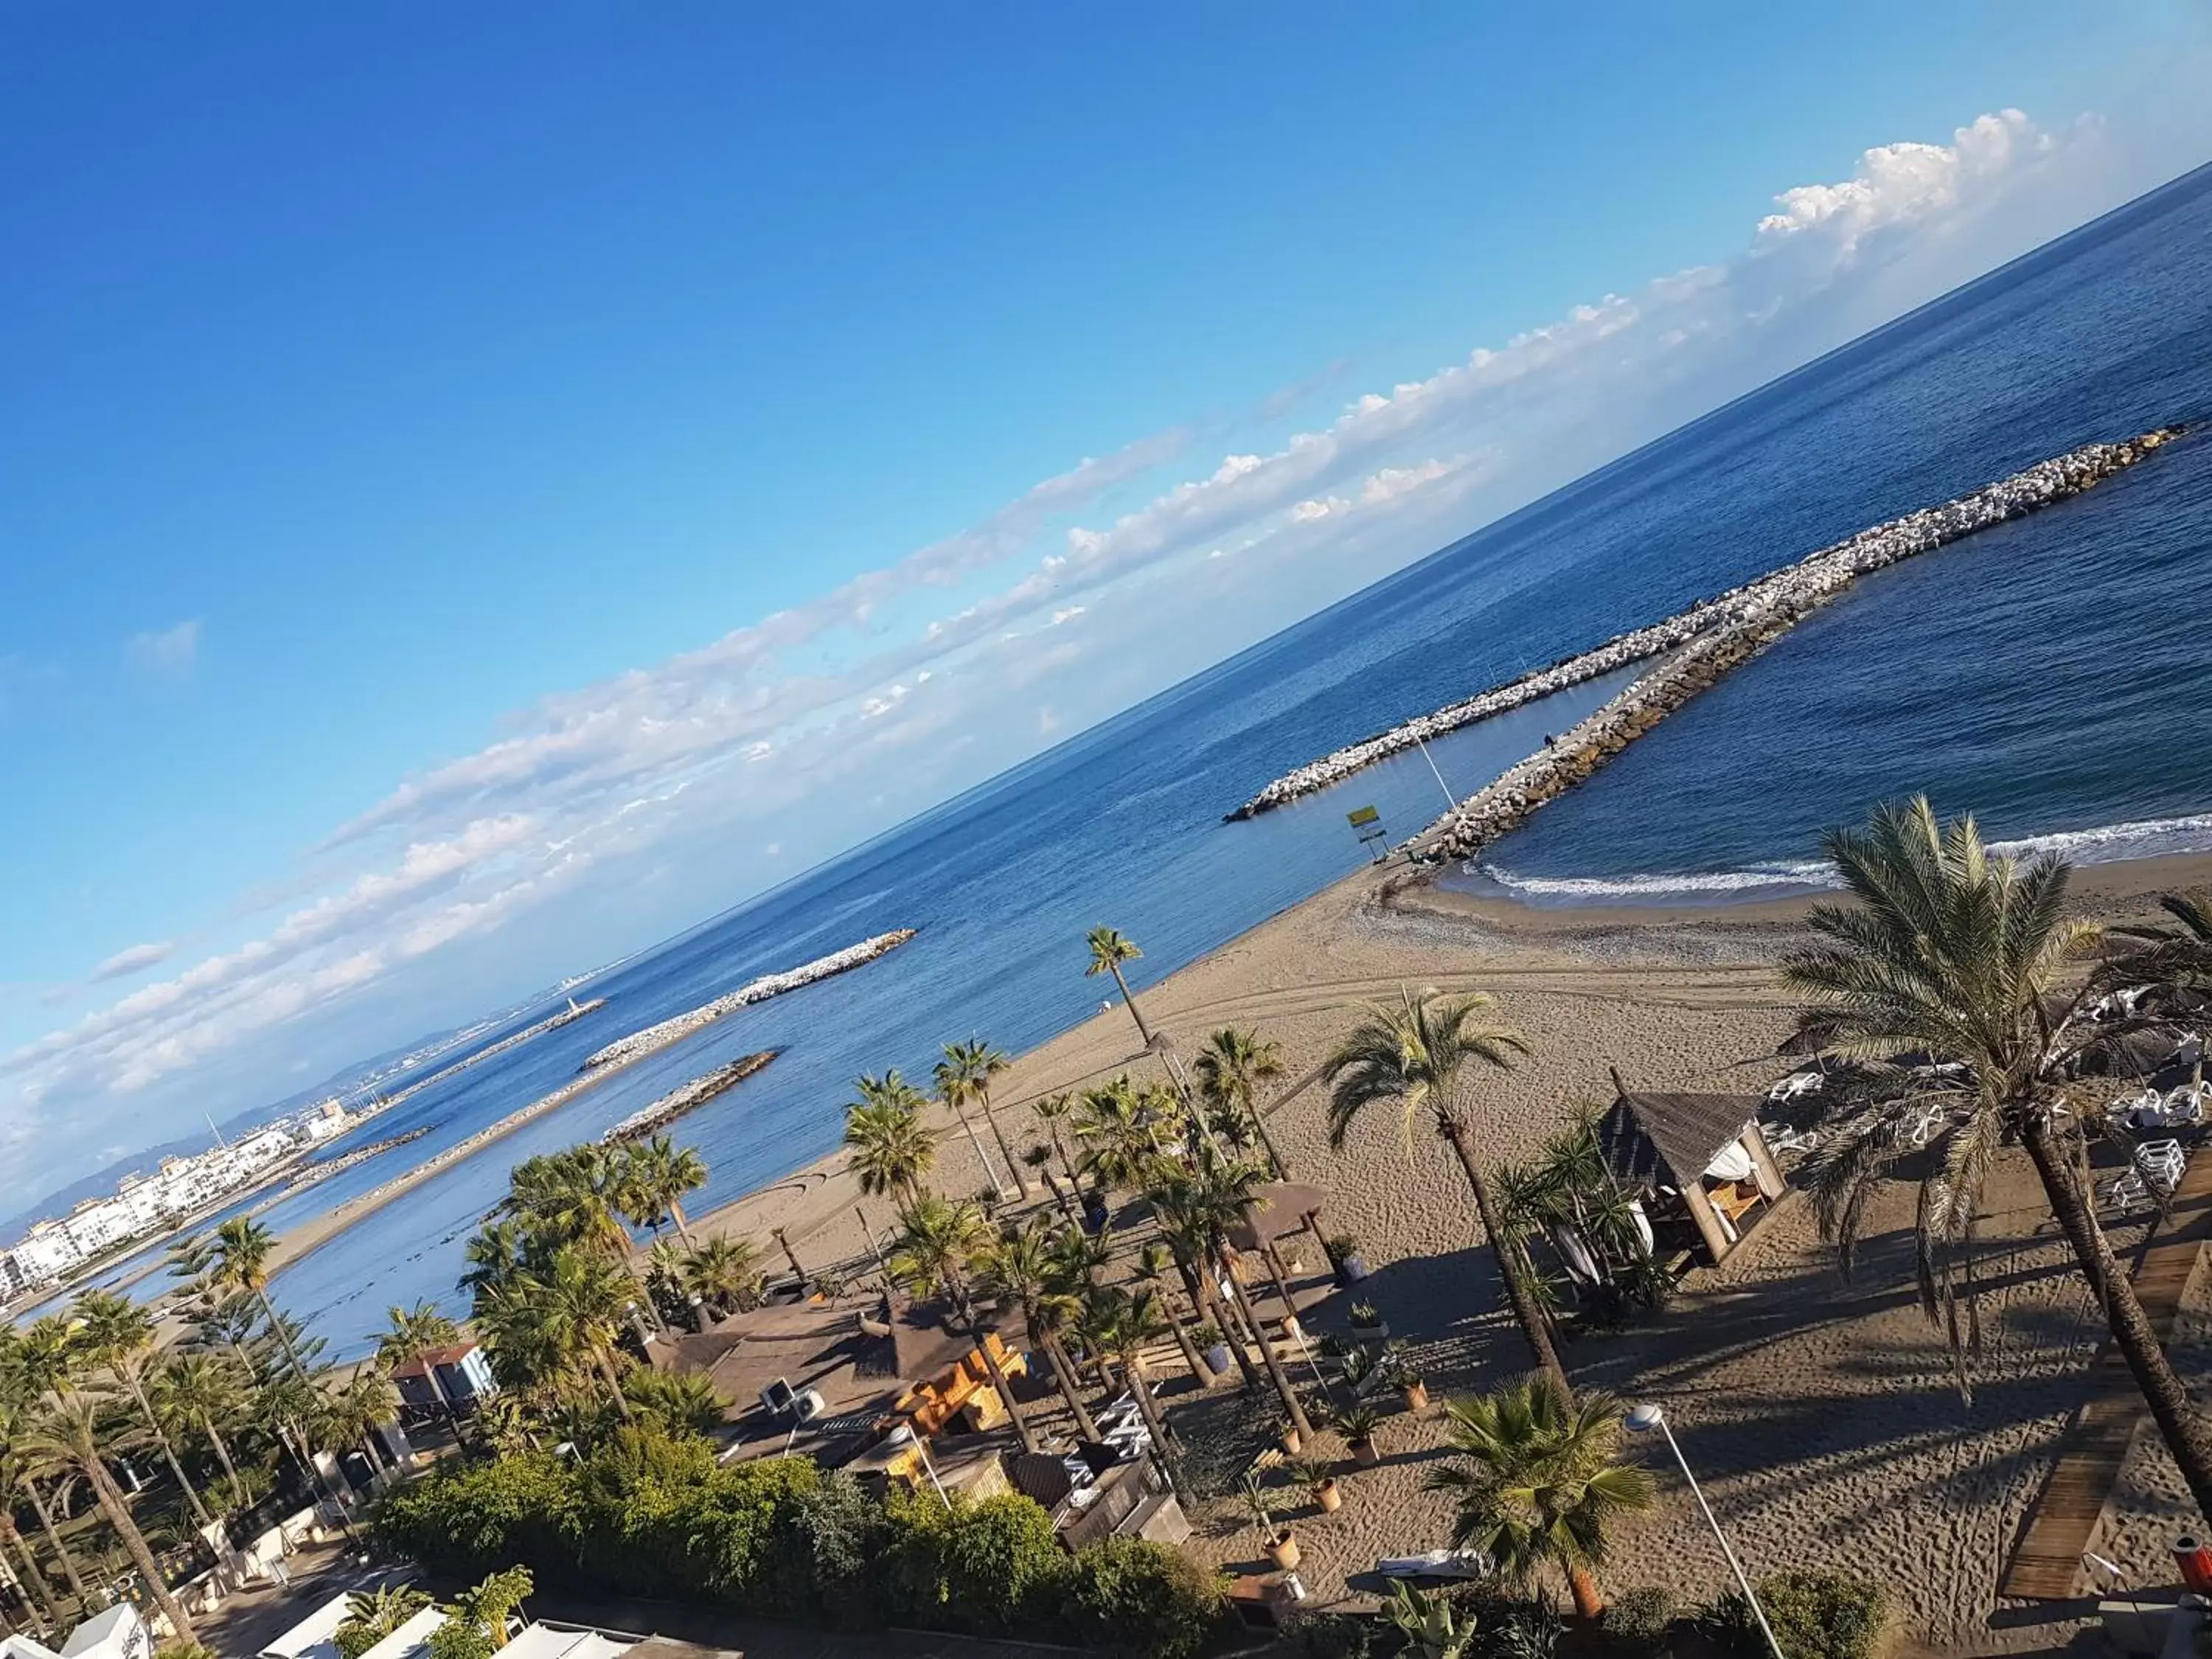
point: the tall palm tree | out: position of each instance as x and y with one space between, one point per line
938 1243
954 1089
200 1393
1418 1053
1052 1110
1152 1264
412 1335
660 1175
1022 1267
1113 1126
1542 1478
893 1151
14 1477
1108 950
117 1334
563 1321
353 1413
493 1255
1123 1325
1956 953
1207 1200
18 1471
966 1073
1231 1069
238 1261
71 1434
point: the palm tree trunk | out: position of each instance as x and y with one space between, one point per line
222 1456
1005 1153
2178 1425
1200 1372
1070 1390
1274 1152
1583 1588
998 1380
1130 1003
1276 1374
118 1516
1526 1314
1059 1192
1207 1299
445 1405
34 1582
1281 1275
53 1537
606 1367
1066 1163
990 1170
1132 1376
168 1451
676 1215
283 1334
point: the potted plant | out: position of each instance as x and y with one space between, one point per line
1357 1423
1261 1504
1405 1376
1213 1350
1320 1477
1367 1325
1344 1250
1287 1433
1359 1369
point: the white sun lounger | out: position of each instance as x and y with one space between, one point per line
1435 1564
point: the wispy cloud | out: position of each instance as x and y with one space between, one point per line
171 653
798 707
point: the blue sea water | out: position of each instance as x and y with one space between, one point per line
2055 674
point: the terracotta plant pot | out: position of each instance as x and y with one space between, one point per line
1329 1496
1417 1396
1283 1550
1292 1441
1364 1452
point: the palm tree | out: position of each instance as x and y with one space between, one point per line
117 1334
954 1090
669 1173
562 1322
1231 1069
964 1076
1205 1201
1152 1264
1123 1325
20 1472
677 1403
1113 1126
352 1415
16 1476
978 1062
1543 1478
724 1272
238 1261
893 1151
1416 1054
1108 950
412 1336
1023 1268
198 1392
493 1256
1955 952
939 1242
71 1434
1051 1109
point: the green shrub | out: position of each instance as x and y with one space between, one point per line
459 1638
1815 1615
744 1550
467 1519
1132 1597
990 1566
1640 1618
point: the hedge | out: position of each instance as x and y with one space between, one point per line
651 1515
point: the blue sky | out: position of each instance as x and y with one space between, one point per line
413 422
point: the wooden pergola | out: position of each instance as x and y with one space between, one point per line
1684 1147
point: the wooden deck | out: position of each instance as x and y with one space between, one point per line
2046 1565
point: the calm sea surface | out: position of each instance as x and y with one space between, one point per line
2055 674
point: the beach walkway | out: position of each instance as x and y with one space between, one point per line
2046 1565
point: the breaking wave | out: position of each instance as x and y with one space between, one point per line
2110 843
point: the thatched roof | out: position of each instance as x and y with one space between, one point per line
1668 1139
1276 1208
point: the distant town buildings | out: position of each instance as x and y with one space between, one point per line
143 1205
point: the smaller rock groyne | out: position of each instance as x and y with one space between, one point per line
638 1044
689 1097
1754 616
1785 594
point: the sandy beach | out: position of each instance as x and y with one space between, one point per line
1823 1415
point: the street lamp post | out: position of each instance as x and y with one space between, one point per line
1642 1420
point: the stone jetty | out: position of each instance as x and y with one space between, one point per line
638 1044
1706 634
1746 620
687 1097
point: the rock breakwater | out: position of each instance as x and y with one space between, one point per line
689 1097
638 1044
1783 595
1744 622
